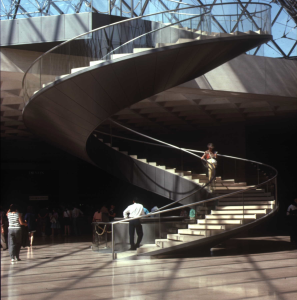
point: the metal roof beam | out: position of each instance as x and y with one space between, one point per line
56 7
215 20
292 49
279 48
242 13
16 9
24 11
144 7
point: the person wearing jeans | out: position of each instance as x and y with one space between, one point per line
133 211
135 225
14 232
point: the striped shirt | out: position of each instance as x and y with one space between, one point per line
13 219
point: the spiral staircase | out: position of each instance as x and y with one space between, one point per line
66 106
232 213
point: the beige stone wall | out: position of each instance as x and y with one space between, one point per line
252 74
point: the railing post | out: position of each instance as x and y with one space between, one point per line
105 235
182 161
132 9
112 241
110 131
275 192
109 7
242 208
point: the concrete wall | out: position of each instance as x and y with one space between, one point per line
64 27
251 74
44 29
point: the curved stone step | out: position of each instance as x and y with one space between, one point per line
239 212
225 191
115 56
241 207
142 160
147 248
221 222
61 76
232 203
229 184
165 243
212 226
77 69
231 188
96 62
184 238
138 50
195 232
249 197
231 217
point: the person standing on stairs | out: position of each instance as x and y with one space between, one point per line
210 156
133 211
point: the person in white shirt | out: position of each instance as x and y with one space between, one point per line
133 211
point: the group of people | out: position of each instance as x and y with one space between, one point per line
57 218
18 229
191 214
105 214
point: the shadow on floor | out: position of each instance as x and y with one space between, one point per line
253 245
262 243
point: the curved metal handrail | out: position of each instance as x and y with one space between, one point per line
155 30
124 21
177 148
190 151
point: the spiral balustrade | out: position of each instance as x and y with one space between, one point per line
76 86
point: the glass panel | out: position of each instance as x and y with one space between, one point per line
102 237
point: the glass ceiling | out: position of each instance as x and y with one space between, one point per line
284 27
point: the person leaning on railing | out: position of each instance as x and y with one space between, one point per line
133 211
210 156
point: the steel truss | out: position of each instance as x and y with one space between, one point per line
15 9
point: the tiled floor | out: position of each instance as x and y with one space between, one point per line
68 269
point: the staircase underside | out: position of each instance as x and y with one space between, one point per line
66 112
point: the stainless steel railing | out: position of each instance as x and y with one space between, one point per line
191 152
